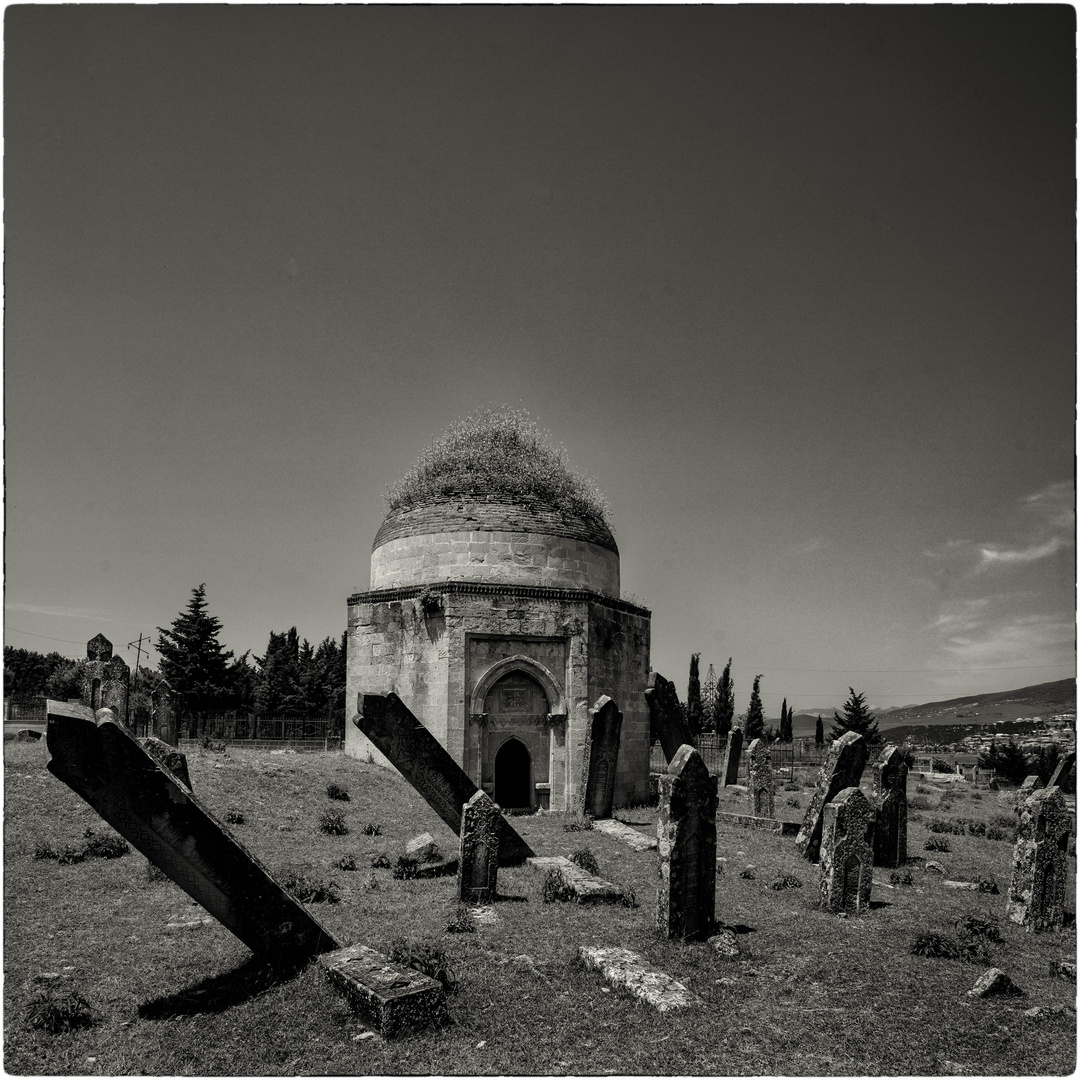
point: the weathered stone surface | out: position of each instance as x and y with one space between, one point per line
165 721
421 759
842 768
1036 898
1065 774
1030 784
972 886
665 715
1065 969
932 867
587 888
478 858
422 848
168 757
639 841
627 970
103 763
725 944
748 821
847 853
600 759
686 843
890 793
994 981
392 998
105 678
762 798
729 771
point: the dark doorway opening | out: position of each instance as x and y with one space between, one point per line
512 776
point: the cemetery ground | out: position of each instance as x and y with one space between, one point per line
171 992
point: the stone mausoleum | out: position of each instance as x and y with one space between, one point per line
499 624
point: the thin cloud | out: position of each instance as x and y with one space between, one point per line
1025 641
812 545
58 612
993 555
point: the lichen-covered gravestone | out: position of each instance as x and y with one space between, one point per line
478 854
105 678
600 759
847 852
1036 898
166 715
729 772
1065 774
1030 784
666 715
890 792
842 769
762 798
686 842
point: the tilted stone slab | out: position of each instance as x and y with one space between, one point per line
1065 774
105 764
587 888
842 768
666 715
169 758
394 999
639 841
422 760
600 759
628 971
729 769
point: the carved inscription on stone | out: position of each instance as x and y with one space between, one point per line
847 852
478 856
762 798
1037 890
842 768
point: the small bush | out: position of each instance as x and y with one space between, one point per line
922 789
106 847
976 926
405 868
311 890
785 881
901 877
55 1012
937 843
939 825
748 873
994 833
584 858
976 828
70 855
461 922
332 822
423 958
371 829
381 861
794 802
336 792
937 946
555 887
346 862
45 850
234 817
582 824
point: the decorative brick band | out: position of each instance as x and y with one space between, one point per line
530 592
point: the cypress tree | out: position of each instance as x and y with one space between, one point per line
754 723
693 697
725 701
819 733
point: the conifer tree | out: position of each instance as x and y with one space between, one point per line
819 733
693 697
725 701
754 722
708 701
858 718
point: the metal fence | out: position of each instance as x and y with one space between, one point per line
270 728
785 756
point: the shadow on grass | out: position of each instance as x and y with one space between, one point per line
502 898
875 904
252 978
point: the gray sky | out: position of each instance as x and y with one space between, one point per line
794 284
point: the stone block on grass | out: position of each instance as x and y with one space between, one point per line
422 848
639 841
994 982
586 888
625 970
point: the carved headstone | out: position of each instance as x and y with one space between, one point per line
105 678
847 852
600 758
729 773
422 760
1065 774
842 768
1037 892
166 715
686 840
762 799
890 793
666 715
1030 784
478 858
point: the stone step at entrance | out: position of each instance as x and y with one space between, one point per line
587 888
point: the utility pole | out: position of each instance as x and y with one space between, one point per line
137 645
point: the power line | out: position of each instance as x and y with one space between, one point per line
13 630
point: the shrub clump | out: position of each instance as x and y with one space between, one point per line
555 887
311 890
901 877
977 926
406 867
918 802
427 959
936 946
346 862
234 817
332 822
581 824
461 922
501 454
584 858
54 1012
937 843
381 861
785 881
994 833
939 825
105 847
371 829
336 792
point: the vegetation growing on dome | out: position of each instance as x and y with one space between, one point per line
498 454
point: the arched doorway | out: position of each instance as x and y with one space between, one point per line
513 787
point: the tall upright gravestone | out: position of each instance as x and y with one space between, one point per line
478 853
890 792
842 768
686 835
762 797
105 679
729 772
666 715
847 852
422 760
166 714
600 759
1037 891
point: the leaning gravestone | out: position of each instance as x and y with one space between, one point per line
105 678
1065 774
1036 898
890 792
729 772
666 715
847 852
686 842
421 759
842 769
762 798
600 758
478 853
1030 784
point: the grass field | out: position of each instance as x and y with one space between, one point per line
811 994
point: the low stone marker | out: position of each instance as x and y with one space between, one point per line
686 848
421 759
628 971
422 848
729 771
1036 897
666 715
478 857
847 853
600 759
890 793
639 841
1065 774
842 768
587 888
762 798
168 757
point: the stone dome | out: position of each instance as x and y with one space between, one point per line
476 539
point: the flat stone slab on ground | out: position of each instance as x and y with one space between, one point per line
484 915
625 969
639 841
393 998
748 821
585 886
